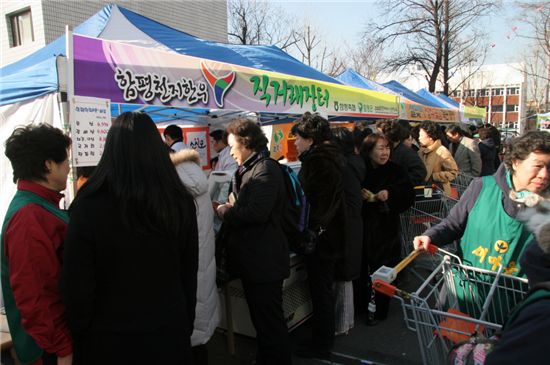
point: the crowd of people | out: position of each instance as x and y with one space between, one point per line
128 274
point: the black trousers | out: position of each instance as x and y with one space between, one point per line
320 271
265 303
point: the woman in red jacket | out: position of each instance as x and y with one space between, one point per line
32 243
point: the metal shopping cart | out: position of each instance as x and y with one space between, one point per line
429 208
461 183
454 303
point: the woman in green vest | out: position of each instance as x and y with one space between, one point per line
484 220
32 239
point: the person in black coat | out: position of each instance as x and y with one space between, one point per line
524 339
321 176
403 155
488 152
387 192
129 274
349 268
257 248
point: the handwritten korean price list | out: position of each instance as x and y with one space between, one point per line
197 139
90 123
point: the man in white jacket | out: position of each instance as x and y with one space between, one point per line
207 311
225 161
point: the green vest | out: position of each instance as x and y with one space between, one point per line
26 348
492 237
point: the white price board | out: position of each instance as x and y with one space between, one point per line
197 139
90 122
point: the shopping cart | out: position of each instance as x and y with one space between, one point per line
454 303
460 183
428 209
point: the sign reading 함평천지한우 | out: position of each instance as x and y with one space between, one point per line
129 74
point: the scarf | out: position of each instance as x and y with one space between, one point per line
246 166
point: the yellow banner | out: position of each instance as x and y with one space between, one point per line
412 111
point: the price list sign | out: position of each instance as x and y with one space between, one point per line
90 123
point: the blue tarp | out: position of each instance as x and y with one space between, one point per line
36 74
352 78
409 94
441 99
449 100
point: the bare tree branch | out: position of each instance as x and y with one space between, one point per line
438 35
259 22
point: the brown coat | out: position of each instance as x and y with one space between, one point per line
440 166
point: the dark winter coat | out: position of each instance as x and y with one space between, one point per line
381 244
321 176
354 173
408 159
125 290
257 248
525 339
488 153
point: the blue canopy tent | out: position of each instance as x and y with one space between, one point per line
448 100
32 88
352 78
36 74
409 94
436 99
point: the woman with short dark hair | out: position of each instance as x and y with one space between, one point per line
130 263
487 151
321 175
256 245
32 238
387 192
440 165
487 211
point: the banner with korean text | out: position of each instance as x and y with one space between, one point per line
417 112
130 74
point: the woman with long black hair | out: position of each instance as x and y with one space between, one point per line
129 274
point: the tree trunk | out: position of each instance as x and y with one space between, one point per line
446 48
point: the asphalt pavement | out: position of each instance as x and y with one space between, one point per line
389 342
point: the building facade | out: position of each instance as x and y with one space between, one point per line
500 89
28 25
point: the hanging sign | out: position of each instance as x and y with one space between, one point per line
90 120
130 74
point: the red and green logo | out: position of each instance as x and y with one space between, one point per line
219 85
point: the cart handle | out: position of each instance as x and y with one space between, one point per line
389 290
407 260
388 274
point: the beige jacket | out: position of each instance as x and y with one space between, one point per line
440 166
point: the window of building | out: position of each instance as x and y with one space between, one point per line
513 91
512 108
483 92
21 27
496 108
457 93
498 91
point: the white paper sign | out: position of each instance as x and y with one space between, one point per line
90 122
198 140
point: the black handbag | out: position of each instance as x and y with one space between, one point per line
223 274
305 242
